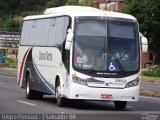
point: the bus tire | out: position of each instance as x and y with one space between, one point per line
120 104
60 100
31 94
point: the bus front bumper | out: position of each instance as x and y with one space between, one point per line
78 91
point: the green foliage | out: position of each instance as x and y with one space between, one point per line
76 2
12 63
9 22
86 3
28 13
22 8
56 3
9 6
150 79
62 2
35 2
148 14
152 73
73 2
52 3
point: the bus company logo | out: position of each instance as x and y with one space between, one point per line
45 55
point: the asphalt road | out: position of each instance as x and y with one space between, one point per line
13 101
150 86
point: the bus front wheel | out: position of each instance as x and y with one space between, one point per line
60 99
120 104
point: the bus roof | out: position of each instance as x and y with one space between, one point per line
76 11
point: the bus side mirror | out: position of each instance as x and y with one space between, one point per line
69 39
144 43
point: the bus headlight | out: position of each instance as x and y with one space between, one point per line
133 83
79 80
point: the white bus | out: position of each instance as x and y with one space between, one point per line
81 53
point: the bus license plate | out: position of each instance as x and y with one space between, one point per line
106 96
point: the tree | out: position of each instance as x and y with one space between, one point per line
82 3
56 3
9 6
147 13
73 2
87 3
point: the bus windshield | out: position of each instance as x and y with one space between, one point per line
106 45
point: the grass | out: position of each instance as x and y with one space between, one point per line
150 76
150 79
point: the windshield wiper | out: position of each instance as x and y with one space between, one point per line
97 59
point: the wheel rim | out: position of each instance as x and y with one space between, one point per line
58 93
27 87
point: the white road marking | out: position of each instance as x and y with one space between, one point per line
150 98
7 76
27 103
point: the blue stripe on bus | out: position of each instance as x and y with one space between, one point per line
42 81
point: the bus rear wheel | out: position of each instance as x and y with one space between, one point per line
120 104
31 94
